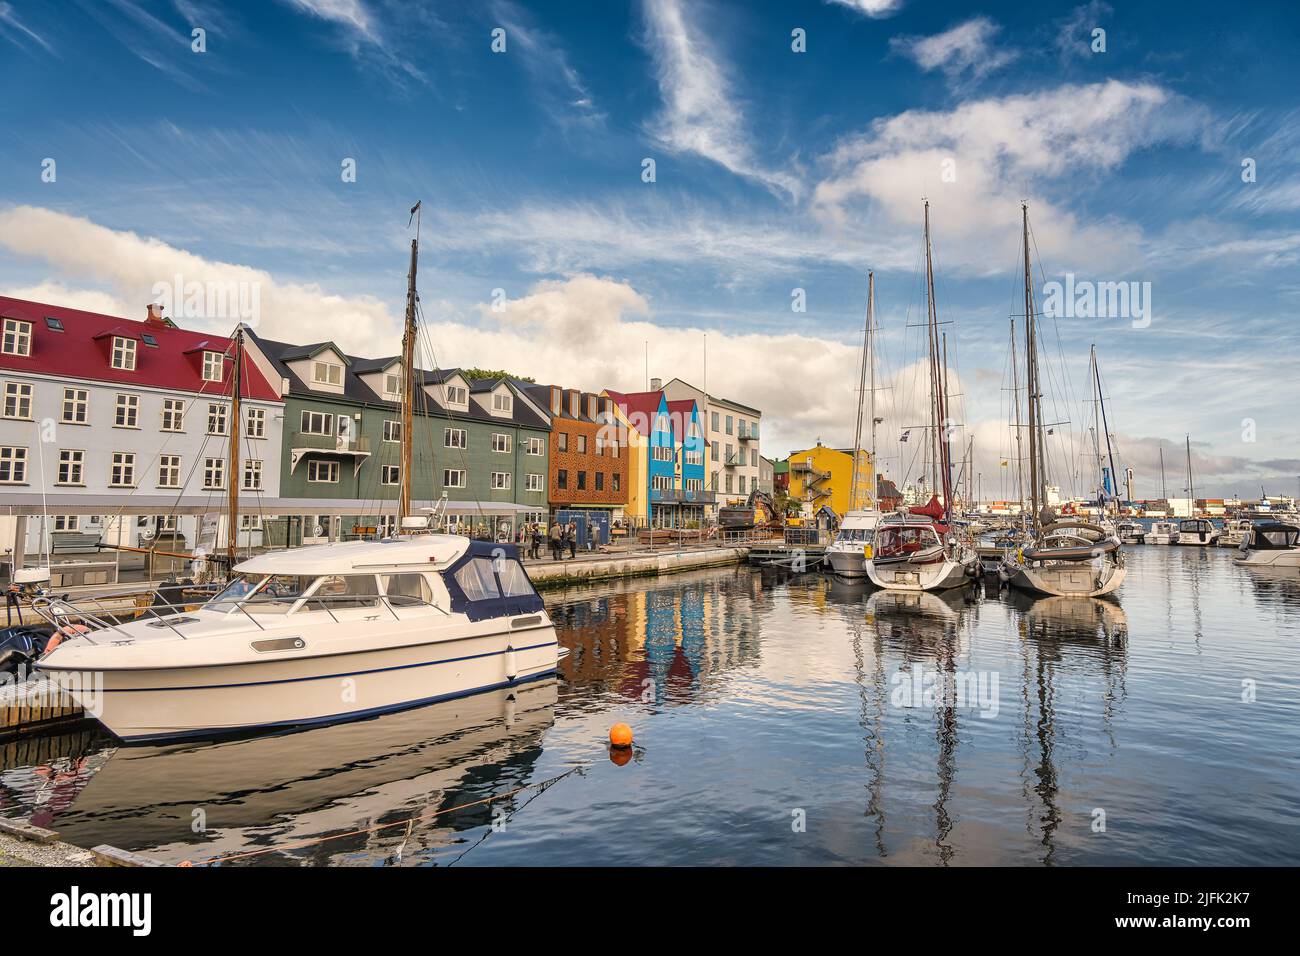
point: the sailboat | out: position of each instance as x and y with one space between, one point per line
318 634
1194 531
847 553
1070 557
921 550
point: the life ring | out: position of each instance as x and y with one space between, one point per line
66 631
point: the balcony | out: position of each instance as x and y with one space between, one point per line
732 461
679 496
306 443
751 435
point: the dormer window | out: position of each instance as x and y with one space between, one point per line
502 403
393 384
457 395
573 404
591 407
212 363
326 373
123 353
17 337
555 401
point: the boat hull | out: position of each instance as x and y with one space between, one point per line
848 564
934 576
143 705
1066 579
1269 559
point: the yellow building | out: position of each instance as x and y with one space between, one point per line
638 452
821 476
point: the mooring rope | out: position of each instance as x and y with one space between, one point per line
540 787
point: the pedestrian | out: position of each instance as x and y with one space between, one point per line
537 540
591 536
557 539
573 540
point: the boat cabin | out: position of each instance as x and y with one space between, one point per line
1273 536
906 540
1196 529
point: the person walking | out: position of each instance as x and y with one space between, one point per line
536 536
572 532
591 536
557 541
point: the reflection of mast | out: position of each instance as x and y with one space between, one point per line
946 661
874 729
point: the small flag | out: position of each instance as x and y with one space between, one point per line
905 434
1003 463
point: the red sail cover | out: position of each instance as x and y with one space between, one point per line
931 510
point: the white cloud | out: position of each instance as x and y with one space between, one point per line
558 85
700 114
127 267
964 50
12 29
1074 32
871 8
999 151
363 36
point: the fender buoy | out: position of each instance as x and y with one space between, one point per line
511 669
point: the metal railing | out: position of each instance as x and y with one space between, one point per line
358 443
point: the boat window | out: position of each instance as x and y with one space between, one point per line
407 589
236 590
477 580
345 591
898 541
514 582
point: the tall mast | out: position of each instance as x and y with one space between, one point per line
1191 486
871 372
408 380
1105 426
1015 397
232 480
1031 383
1163 493
862 386
937 376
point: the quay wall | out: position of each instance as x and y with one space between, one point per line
565 573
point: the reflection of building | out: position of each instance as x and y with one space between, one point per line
823 477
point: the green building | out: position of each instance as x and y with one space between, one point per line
479 447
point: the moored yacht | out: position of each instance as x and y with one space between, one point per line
1270 544
1068 559
313 635
1130 532
1235 532
1197 532
1163 532
918 552
847 553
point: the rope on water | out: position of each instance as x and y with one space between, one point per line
541 787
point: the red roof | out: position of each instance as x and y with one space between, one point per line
82 351
645 405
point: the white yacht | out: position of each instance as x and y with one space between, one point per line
1163 532
311 636
1131 532
1235 532
1197 532
915 552
847 553
1270 544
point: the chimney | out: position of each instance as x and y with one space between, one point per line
154 315
656 384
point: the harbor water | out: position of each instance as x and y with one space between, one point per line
779 719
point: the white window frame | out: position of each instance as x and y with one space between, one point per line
169 466
309 417
534 482
255 423
457 395
392 430
13 464
459 473
501 481
316 466
213 363
214 474
20 393
447 442
123 353
330 369
126 411
252 480
503 403
17 337
173 415
218 416
390 475
536 446
79 402
501 442
122 468
74 461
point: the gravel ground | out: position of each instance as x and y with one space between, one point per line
15 852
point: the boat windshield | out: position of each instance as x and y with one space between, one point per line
891 542
1276 539
261 592
855 535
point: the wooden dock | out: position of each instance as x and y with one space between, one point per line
36 706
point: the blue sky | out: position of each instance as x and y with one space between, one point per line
775 170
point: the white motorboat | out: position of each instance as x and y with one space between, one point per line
1270 545
1196 532
311 636
1163 532
1130 532
847 553
1235 532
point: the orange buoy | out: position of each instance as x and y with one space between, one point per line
620 735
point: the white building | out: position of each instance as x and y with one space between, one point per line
732 465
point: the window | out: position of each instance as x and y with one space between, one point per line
728 424
582 481
392 431
392 475
128 412
715 451
53 324
76 406
532 482
693 457
345 591
392 384
122 473
214 472
600 481
457 395
216 419
714 423
453 477
149 340
661 482
453 438
753 483
123 353
500 442
322 471
729 484
536 446
617 482
740 427
663 453
562 441
317 423
169 471
255 423
173 414
477 580
18 400
212 366
326 373
502 402
514 580
250 521
500 481
407 589
562 478
13 465
17 337
66 522
71 462
253 474
693 484
582 444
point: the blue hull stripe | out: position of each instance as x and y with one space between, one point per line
295 680
212 733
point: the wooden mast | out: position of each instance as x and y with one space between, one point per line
1015 397
938 376
862 386
408 381
233 478
1191 485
